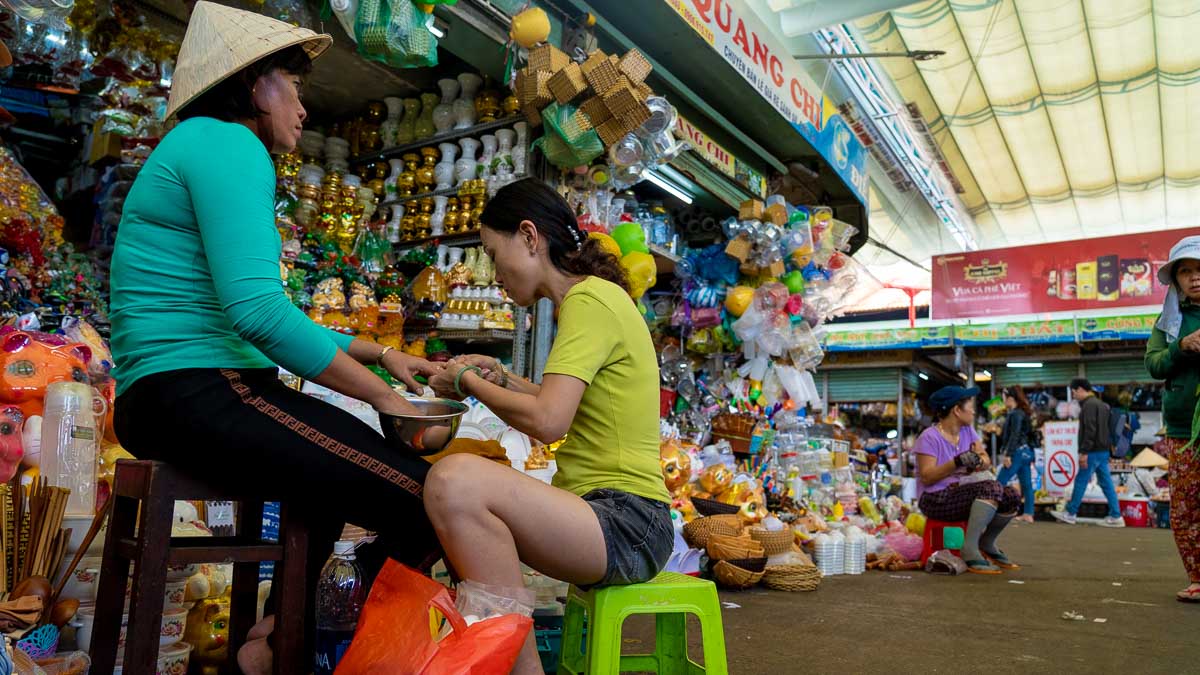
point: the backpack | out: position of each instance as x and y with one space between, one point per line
1120 442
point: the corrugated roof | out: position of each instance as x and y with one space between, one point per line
1062 119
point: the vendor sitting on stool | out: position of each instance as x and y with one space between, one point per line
606 520
952 485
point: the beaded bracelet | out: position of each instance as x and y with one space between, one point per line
459 376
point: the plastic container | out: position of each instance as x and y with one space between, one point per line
1136 512
340 596
70 446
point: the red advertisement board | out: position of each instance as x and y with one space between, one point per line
1065 276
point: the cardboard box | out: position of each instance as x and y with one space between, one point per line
738 248
751 209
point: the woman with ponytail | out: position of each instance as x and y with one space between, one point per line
606 519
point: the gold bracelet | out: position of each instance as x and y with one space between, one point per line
379 359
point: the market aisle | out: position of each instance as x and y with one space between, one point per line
914 622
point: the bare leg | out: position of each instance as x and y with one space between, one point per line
489 518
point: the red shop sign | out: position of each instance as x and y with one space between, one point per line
1101 273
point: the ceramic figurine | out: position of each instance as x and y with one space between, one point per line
208 633
464 107
387 130
424 126
443 114
405 132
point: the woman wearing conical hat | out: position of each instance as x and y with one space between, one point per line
201 324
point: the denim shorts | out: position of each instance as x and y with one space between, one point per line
638 535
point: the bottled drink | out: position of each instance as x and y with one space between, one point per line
339 599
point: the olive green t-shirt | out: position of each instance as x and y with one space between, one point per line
613 440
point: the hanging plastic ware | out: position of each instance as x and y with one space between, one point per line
396 33
565 143
51 13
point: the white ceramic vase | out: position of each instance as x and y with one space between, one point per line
487 160
504 153
464 107
437 224
521 148
443 173
387 130
443 114
389 186
393 225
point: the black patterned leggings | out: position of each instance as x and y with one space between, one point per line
246 429
954 503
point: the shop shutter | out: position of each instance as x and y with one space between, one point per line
1117 371
1050 374
864 385
912 381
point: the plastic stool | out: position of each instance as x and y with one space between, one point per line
933 536
669 596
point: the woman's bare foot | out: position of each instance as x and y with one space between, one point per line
255 657
1025 518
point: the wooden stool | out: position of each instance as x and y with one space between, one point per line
146 542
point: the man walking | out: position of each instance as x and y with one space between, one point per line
1095 445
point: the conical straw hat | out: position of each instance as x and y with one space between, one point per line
1149 459
221 40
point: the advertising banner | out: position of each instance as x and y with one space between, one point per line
732 29
1016 333
888 338
1065 276
1130 327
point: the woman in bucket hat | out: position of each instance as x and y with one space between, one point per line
1173 354
201 324
954 485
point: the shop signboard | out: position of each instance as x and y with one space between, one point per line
710 150
1054 331
888 338
1101 273
1062 456
1128 327
733 30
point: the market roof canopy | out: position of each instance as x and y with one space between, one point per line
1062 119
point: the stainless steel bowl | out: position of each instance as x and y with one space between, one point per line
400 430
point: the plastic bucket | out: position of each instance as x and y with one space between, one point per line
1136 512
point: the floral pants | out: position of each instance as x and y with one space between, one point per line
1184 475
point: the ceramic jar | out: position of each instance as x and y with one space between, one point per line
464 108
443 173
387 130
405 132
443 114
504 153
390 183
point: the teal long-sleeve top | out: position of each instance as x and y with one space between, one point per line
195 277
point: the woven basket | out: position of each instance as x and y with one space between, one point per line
774 542
600 72
733 577
635 117
711 507
567 83
532 115
635 66
643 90
621 99
724 547
697 532
547 58
610 131
756 564
533 89
792 578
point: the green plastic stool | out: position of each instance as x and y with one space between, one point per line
669 596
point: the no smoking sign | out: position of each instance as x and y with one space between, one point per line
1061 468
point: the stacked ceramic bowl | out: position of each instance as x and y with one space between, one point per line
312 144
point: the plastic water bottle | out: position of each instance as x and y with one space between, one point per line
339 599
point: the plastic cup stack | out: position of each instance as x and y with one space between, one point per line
856 552
830 554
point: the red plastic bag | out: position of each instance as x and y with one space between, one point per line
393 634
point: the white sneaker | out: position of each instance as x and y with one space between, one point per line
1113 522
1063 517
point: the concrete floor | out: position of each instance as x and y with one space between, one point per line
912 622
